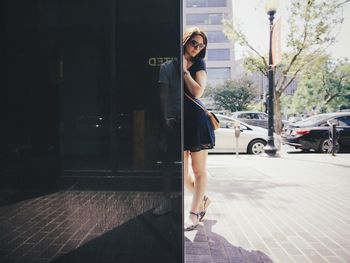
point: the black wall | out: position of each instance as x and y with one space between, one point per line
80 106
79 78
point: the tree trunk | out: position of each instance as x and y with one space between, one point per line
277 113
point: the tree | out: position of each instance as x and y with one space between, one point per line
336 84
312 26
209 90
324 87
235 95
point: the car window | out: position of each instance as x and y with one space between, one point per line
324 124
244 116
243 127
262 116
226 124
254 116
343 121
313 119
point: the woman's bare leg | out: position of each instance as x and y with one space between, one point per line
199 160
199 167
188 180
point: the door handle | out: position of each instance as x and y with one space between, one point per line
60 69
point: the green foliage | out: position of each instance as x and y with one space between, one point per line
253 63
286 103
323 88
235 95
209 90
256 106
312 28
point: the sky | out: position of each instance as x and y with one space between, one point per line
250 15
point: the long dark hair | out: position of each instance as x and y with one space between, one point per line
189 34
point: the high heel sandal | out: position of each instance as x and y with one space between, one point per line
206 202
191 226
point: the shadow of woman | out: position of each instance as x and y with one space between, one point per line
204 245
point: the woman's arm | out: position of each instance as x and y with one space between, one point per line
196 86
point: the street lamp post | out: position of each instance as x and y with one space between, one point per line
270 149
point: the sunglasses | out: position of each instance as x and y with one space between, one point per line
196 45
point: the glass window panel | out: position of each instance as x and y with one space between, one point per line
217 37
344 121
204 19
197 19
215 19
81 138
219 54
262 116
217 3
206 3
196 3
218 73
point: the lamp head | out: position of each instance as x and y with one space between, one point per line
271 6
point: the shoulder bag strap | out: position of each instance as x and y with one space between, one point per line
196 102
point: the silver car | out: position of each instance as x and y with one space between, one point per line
256 118
252 139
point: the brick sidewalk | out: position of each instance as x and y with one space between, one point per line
86 226
290 209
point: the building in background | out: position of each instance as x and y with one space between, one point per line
208 15
221 61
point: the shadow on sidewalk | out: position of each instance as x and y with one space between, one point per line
208 246
145 238
92 226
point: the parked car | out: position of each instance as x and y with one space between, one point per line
312 134
252 139
256 118
293 119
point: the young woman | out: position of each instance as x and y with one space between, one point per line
198 132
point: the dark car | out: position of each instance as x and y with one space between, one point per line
313 133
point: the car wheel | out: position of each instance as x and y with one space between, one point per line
256 146
326 146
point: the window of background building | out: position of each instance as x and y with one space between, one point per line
217 37
219 54
217 3
218 73
206 3
204 19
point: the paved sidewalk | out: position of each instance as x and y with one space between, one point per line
87 226
295 208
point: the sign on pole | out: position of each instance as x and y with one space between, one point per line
276 43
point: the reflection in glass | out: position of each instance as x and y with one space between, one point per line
81 162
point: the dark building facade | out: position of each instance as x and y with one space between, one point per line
80 111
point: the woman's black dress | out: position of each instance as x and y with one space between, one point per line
198 131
